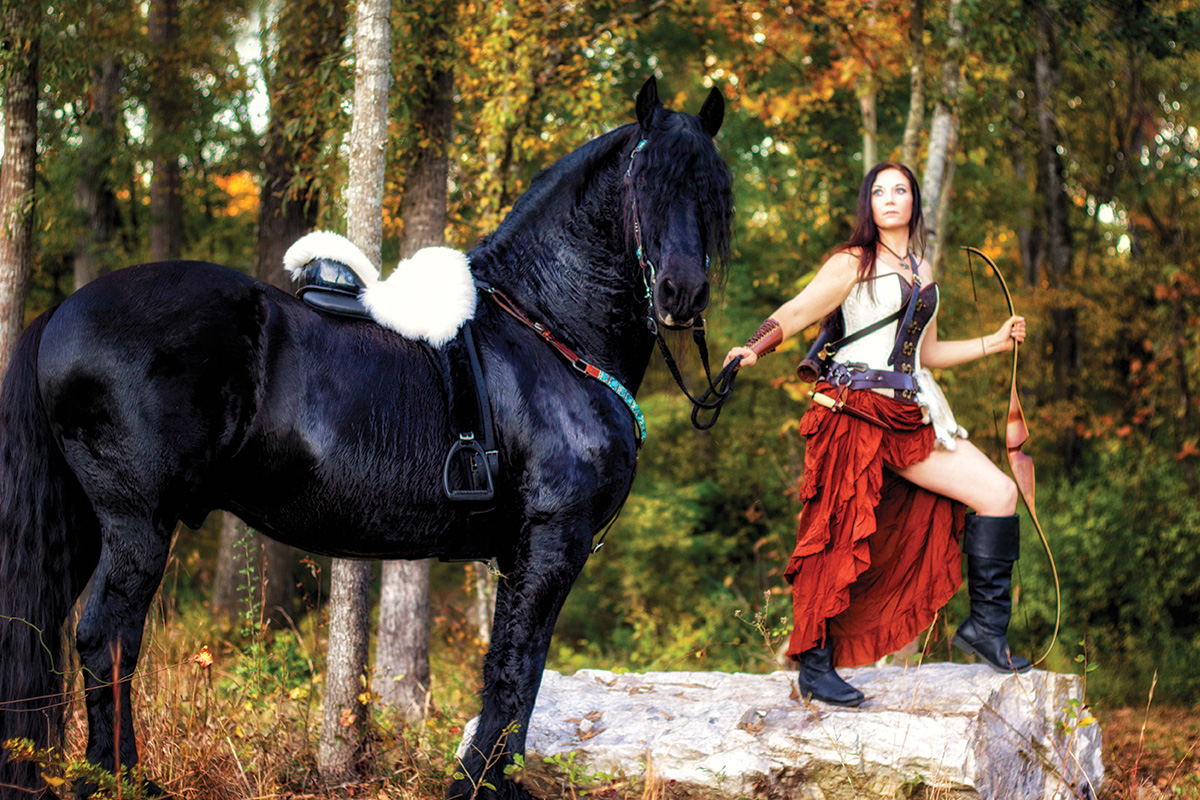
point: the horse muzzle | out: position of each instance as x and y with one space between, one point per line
679 303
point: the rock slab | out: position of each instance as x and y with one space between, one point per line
944 730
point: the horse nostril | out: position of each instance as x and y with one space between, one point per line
702 297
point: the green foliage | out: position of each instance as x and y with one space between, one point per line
703 536
59 771
271 665
1124 537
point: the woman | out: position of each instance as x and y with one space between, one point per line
887 472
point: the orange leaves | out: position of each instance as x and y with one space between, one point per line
803 56
243 193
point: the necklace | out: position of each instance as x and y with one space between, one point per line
899 257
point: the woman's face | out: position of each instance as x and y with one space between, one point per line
891 200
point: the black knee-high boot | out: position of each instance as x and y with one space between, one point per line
818 679
992 546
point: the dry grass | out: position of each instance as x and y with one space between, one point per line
245 728
1151 753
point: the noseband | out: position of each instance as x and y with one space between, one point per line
720 390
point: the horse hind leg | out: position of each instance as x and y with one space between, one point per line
109 636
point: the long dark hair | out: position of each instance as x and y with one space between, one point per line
865 236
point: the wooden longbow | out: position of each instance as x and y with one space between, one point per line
1016 433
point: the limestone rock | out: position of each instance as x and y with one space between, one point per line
959 731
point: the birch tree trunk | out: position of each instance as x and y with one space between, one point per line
866 105
21 37
345 711
916 97
942 134
402 646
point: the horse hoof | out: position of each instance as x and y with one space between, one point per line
506 790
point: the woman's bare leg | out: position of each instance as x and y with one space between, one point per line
965 474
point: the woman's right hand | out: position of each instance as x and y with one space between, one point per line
748 357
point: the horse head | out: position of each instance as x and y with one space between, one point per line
680 204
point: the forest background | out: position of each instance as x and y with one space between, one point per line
1071 151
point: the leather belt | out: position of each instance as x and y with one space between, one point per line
859 376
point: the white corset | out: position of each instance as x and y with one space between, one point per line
861 309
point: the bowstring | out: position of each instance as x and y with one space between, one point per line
991 378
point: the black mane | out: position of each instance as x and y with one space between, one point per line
678 152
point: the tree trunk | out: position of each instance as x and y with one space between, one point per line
95 197
345 712
1064 320
402 647
232 563
253 576
1029 235
937 255
866 104
1047 77
942 133
402 644
166 114
344 721
21 38
288 204
916 97
423 205
483 608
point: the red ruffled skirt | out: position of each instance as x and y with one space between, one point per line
876 555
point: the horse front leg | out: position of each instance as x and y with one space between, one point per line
529 597
109 640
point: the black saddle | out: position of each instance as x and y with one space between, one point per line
472 465
332 287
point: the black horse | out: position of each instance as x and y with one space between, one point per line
160 392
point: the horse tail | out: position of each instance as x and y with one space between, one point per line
49 545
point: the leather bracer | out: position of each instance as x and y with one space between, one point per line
768 336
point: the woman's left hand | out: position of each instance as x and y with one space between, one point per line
1012 332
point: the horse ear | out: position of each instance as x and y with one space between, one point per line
647 101
712 113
